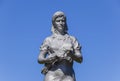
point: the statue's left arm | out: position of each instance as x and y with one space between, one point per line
76 54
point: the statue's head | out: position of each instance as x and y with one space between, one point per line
59 22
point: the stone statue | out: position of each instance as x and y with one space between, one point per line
58 51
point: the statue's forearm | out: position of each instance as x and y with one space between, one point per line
77 57
41 57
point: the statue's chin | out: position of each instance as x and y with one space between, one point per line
61 31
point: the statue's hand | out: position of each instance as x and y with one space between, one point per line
68 50
51 59
69 53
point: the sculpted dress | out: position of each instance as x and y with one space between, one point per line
62 70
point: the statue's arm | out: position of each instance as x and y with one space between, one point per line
43 52
76 54
41 57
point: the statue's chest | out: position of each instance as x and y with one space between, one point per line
60 43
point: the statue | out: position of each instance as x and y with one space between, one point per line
58 51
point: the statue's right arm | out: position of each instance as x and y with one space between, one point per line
44 51
41 57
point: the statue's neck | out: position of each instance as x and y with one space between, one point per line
60 33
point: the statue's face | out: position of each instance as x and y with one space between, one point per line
60 24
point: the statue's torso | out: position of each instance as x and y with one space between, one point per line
60 45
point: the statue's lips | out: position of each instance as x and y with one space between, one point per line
61 27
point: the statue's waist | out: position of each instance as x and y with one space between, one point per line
64 63
64 66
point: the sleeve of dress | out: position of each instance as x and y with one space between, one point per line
77 47
45 45
77 56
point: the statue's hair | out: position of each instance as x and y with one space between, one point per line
56 15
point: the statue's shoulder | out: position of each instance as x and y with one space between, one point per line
49 38
72 37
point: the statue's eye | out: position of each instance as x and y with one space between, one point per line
63 20
60 20
57 20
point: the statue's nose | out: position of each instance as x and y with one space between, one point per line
61 22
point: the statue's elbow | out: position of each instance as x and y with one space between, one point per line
80 59
40 61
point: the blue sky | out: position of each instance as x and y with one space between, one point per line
24 24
